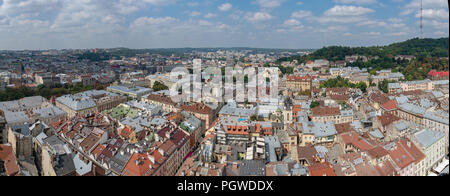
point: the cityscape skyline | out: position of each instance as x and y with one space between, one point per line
289 24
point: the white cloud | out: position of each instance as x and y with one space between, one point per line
344 14
258 17
347 11
414 6
434 14
149 21
195 13
291 22
355 1
372 23
301 14
269 3
373 33
210 15
225 7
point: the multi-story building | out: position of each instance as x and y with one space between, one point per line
29 110
299 83
432 143
135 92
423 85
318 133
438 122
89 102
333 114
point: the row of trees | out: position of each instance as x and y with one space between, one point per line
421 48
10 94
341 82
428 53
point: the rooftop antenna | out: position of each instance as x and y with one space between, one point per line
421 19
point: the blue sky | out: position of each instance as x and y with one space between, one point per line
57 24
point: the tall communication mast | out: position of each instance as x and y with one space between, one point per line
421 19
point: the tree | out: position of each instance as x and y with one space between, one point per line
157 86
314 104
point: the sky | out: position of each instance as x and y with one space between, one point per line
299 24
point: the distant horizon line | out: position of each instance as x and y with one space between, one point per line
231 47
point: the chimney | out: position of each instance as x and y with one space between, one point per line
408 143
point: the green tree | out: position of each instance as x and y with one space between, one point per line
314 104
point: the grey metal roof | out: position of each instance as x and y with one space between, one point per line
133 90
319 129
428 137
80 166
401 99
252 168
281 169
414 109
435 117
41 137
63 164
231 109
401 125
272 143
376 133
76 103
22 129
394 85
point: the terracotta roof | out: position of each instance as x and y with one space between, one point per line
298 78
379 97
126 132
386 169
98 150
339 97
400 156
308 152
413 150
196 108
390 105
357 141
9 159
377 152
343 128
89 143
237 130
325 111
161 99
387 119
321 169
140 164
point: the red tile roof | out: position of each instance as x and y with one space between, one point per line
321 169
377 152
9 159
343 127
435 73
409 146
325 111
387 119
390 105
400 156
357 141
98 150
